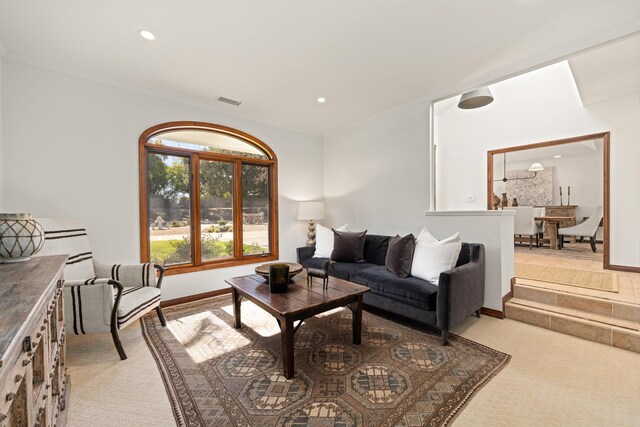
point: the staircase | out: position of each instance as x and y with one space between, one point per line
565 309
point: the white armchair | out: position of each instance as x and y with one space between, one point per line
100 297
524 224
587 228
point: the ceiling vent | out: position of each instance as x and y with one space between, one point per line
229 101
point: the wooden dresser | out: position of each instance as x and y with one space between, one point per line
34 387
566 210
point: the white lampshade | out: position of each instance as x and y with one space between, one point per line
310 211
475 99
536 167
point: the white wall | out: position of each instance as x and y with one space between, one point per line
71 149
536 107
376 174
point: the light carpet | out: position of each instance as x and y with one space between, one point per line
220 376
566 276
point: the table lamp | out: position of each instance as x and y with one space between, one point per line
311 211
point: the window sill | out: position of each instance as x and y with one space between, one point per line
182 269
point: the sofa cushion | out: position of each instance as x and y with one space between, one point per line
433 256
324 240
375 248
400 254
342 270
348 246
412 291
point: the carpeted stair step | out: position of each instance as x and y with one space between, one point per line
584 303
599 328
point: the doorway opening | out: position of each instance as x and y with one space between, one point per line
560 192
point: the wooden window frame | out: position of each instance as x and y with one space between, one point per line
195 156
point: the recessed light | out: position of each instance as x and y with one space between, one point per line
322 100
558 156
146 34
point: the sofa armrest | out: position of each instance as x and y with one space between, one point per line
305 252
461 290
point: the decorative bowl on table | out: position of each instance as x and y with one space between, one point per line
294 268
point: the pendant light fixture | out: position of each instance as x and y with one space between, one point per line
475 99
535 168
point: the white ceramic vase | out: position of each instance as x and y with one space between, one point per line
20 237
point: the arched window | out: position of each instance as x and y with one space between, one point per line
208 197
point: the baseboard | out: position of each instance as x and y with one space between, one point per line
626 268
492 313
196 297
508 296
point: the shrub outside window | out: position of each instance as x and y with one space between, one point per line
208 197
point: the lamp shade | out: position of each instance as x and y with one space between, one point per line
535 167
475 99
310 211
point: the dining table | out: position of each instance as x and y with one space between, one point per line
552 223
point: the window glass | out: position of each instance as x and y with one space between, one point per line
169 213
207 141
207 197
255 209
216 209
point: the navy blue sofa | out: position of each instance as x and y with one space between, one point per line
459 293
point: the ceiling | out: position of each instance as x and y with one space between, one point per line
609 71
278 57
575 149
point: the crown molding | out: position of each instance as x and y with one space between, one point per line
12 56
525 65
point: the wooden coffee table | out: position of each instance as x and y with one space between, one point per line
297 304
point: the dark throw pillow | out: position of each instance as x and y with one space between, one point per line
400 255
348 246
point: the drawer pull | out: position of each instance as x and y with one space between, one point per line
11 396
26 344
45 397
42 328
19 378
25 362
39 334
3 417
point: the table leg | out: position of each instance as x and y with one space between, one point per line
286 328
552 231
236 307
356 314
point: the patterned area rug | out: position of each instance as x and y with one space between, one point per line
399 376
567 276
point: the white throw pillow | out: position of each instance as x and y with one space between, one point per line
432 256
324 240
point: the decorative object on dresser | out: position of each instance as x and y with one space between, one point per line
321 273
505 200
20 237
34 386
312 212
100 297
515 202
496 201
